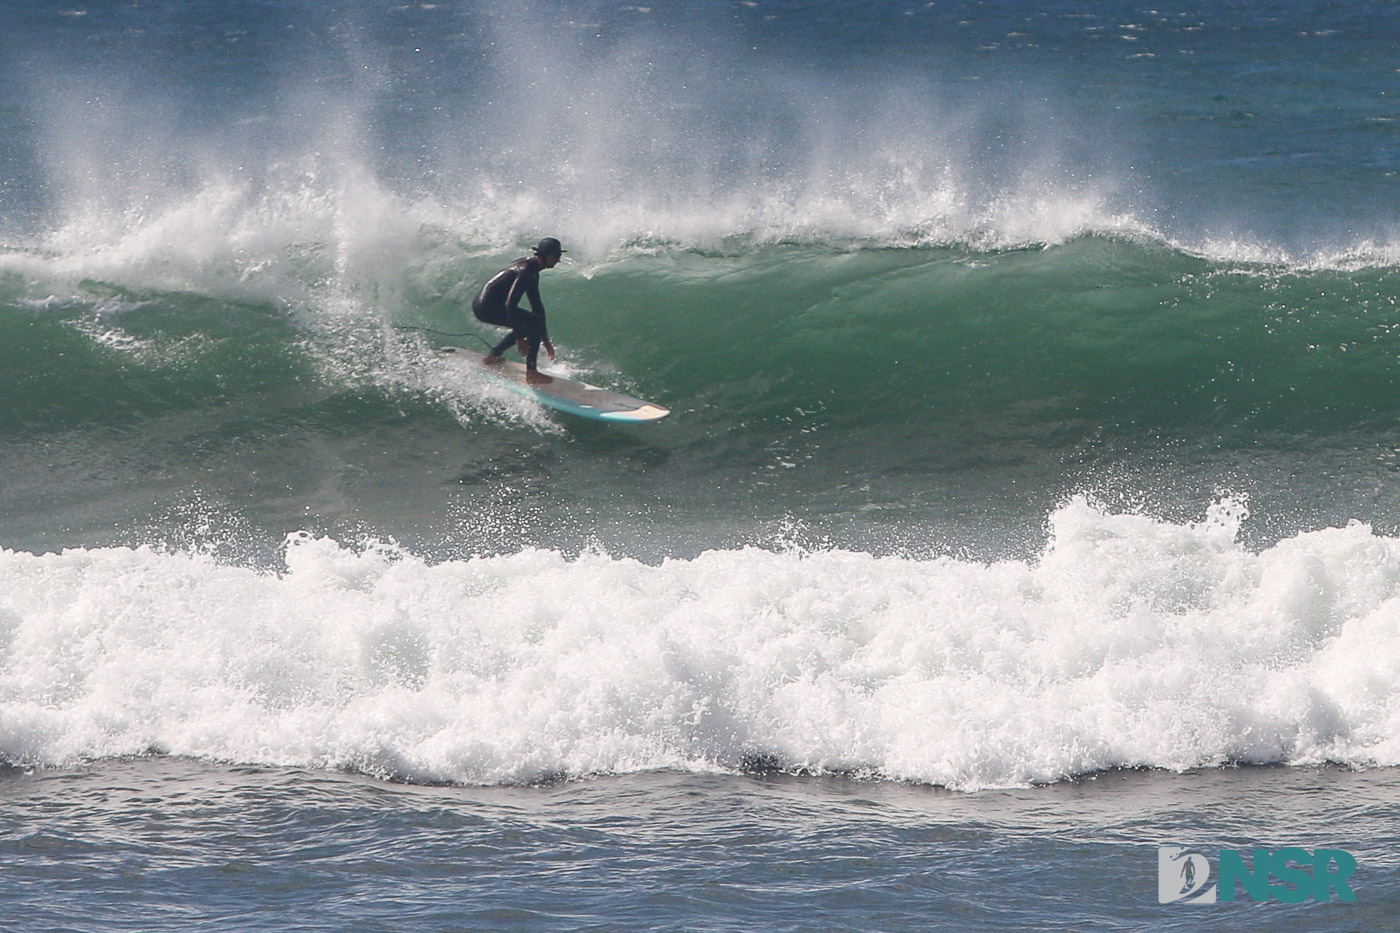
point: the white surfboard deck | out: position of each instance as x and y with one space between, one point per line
564 394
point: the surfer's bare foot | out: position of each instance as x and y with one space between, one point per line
491 359
537 378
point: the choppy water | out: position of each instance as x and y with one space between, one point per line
172 844
1034 383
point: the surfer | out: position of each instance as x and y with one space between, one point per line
498 303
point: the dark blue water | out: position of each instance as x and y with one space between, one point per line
172 844
1029 502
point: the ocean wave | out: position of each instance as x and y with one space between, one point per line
1129 642
329 240
1110 334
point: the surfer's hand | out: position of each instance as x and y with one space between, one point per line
549 348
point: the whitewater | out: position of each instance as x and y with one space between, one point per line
1128 643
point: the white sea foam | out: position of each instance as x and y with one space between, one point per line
1129 642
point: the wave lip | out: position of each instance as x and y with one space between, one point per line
1130 642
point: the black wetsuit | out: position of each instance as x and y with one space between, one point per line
498 303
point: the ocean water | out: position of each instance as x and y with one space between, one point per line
1030 501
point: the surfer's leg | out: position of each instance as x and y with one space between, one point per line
529 333
490 313
505 344
495 315
534 336
532 373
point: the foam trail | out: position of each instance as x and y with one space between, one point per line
1129 642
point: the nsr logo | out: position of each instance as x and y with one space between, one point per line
1182 875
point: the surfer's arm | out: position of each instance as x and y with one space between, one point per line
532 291
526 286
518 289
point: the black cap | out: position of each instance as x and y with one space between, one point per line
549 246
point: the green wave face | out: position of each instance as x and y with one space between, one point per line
895 395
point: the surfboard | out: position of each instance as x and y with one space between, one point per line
564 394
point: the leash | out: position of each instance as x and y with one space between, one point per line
443 333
